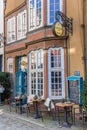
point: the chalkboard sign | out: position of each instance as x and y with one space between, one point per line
75 88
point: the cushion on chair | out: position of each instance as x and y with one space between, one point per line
29 99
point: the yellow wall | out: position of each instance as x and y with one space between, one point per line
75 42
12 4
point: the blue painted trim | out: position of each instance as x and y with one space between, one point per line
73 77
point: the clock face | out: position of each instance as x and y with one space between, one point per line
58 29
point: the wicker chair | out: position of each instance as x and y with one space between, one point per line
28 106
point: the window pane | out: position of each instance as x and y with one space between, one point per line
52 1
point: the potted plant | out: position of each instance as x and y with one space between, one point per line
63 100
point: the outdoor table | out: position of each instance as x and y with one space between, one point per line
65 105
36 103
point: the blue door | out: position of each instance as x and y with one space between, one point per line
20 82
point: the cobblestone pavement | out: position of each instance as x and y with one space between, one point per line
9 123
13 121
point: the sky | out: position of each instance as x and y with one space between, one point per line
1 16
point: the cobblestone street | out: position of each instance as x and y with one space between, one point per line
9 123
13 121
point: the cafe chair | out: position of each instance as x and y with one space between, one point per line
84 118
27 107
13 104
80 115
47 108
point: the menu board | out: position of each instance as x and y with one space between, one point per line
74 91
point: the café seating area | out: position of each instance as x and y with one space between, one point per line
65 113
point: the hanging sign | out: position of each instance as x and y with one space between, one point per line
58 29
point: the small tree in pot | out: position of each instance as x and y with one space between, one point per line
84 92
5 82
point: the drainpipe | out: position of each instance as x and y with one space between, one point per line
84 42
4 7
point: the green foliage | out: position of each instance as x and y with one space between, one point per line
5 81
84 93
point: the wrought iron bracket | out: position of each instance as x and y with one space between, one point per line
67 22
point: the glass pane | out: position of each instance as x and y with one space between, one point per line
52 1
51 7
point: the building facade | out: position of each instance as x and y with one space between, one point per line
1 36
32 47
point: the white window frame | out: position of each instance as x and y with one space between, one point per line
11 30
48 10
56 69
22 25
35 16
10 65
36 70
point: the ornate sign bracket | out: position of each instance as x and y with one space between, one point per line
67 22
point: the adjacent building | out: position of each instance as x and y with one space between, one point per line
38 60
1 36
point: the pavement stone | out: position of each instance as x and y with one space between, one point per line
14 121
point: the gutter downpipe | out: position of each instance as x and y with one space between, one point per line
4 8
84 42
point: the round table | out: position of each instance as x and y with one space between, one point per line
65 105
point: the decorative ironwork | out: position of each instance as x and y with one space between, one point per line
67 22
